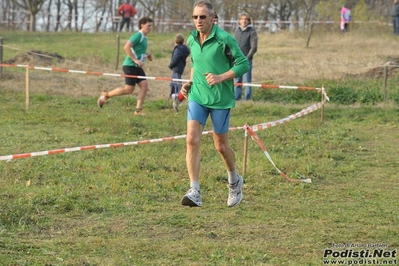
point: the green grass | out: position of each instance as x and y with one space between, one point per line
78 46
121 206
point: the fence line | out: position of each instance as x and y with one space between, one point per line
90 24
247 128
64 70
253 128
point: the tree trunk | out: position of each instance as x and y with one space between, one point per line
32 22
48 16
75 6
58 16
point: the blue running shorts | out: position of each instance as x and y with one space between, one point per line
220 117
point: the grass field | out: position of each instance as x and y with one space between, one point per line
121 206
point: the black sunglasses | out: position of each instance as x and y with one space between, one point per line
201 17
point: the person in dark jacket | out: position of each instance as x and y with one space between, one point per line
177 65
395 17
247 39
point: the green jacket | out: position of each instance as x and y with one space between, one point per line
211 58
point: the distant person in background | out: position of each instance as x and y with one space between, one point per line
136 54
127 11
346 17
247 39
177 65
395 17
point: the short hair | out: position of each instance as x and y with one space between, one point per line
247 16
205 3
179 39
144 20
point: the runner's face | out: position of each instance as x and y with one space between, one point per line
146 28
203 21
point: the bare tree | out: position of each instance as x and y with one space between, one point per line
48 15
72 6
32 7
75 8
58 15
175 15
84 14
8 13
101 9
152 6
69 5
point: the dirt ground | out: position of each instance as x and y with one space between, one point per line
378 72
36 58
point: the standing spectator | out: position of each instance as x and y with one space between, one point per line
346 17
136 50
395 17
211 93
127 11
177 64
247 39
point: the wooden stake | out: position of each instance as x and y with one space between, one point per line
385 83
1 56
117 51
27 89
244 167
310 34
322 107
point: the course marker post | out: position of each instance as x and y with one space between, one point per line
385 83
244 166
322 106
27 89
118 45
1 56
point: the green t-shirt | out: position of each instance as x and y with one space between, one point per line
139 49
211 58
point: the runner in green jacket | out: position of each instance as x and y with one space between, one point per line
211 57
216 61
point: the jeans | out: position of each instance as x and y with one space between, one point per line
123 22
175 86
395 22
246 78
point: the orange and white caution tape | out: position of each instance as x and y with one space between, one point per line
64 70
99 146
262 146
303 112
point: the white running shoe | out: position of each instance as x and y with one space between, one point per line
235 192
176 102
103 98
192 198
